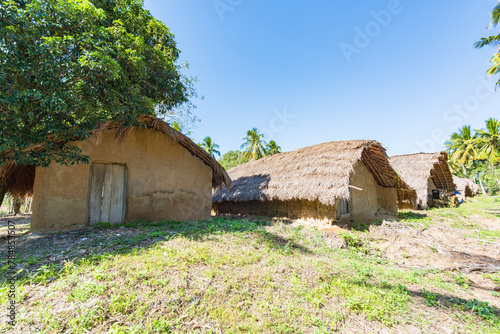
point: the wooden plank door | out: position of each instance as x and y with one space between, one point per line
107 193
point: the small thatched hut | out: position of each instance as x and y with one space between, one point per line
323 183
423 172
466 187
150 172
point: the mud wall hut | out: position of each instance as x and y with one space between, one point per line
466 187
323 183
423 172
151 172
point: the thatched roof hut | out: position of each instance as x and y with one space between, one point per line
19 179
466 187
424 172
150 172
319 174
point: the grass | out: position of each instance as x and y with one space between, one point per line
234 275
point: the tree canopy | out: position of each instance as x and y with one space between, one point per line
493 40
66 65
253 145
210 147
272 148
476 152
232 159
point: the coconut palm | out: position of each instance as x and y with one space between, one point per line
493 41
272 148
253 146
489 141
177 126
462 146
489 145
209 146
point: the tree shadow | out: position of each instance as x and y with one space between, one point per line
411 216
494 212
361 225
19 224
41 252
482 309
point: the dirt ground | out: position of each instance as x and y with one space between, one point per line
442 246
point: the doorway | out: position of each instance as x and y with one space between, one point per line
107 193
344 208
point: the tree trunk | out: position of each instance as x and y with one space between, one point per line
17 205
481 184
463 168
3 191
492 168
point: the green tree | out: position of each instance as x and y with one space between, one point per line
232 159
177 126
488 141
462 147
253 146
493 41
66 65
209 146
484 174
272 148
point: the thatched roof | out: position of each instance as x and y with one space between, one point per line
417 169
20 179
321 172
466 186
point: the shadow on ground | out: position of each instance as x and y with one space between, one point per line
39 251
495 212
21 226
482 309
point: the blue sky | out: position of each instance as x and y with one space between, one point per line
404 72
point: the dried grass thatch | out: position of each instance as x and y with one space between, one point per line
315 173
19 179
417 169
466 186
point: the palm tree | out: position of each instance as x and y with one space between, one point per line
272 148
494 41
177 126
209 146
489 141
253 145
489 144
462 146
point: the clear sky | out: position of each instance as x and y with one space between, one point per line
404 72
